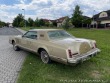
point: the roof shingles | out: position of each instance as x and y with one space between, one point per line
96 17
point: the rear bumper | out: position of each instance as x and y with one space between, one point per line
84 57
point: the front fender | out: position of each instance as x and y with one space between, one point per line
12 39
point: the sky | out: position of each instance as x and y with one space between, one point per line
49 9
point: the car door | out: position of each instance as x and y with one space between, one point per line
25 40
33 41
29 40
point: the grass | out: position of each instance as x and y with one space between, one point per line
97 68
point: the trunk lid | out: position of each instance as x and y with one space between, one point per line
77 45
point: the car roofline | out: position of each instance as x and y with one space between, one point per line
45 30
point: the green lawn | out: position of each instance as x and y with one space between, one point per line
95 69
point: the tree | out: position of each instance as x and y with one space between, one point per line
41 22
87 21
47 24
2 24
37 22
77 16
55 23
66 24
21 24
17 20
30 22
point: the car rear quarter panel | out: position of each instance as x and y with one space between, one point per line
55 51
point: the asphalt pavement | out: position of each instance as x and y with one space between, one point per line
9 31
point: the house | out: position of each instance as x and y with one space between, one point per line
49 21
10 25
101 20
60 21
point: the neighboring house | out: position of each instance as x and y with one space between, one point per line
103 19
60 21
48 21
9 24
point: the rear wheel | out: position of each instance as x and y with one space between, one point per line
45 57
15 47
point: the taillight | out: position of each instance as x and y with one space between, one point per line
70 54
95 46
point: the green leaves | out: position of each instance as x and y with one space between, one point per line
2 24
77 16
18 21
30 22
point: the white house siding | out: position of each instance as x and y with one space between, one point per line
10 25
106 21
60 24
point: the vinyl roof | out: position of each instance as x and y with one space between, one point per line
44 29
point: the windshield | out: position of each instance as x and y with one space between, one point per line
58 34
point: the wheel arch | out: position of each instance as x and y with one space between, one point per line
42 48
12 41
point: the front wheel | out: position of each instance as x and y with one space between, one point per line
15 47
45 57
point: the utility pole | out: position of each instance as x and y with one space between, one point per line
93 18
24 18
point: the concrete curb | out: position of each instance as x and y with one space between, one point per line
22 31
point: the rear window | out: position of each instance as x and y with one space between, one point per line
58 34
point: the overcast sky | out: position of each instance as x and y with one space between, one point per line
50 9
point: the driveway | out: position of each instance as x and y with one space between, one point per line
10 60
9 31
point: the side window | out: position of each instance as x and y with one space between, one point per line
31 35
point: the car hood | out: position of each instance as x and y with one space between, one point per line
19 36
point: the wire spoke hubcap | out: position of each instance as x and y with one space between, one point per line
44 57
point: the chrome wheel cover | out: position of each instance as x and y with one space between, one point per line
44 57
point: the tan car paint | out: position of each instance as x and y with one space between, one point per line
57 49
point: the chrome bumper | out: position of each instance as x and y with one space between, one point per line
84 57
